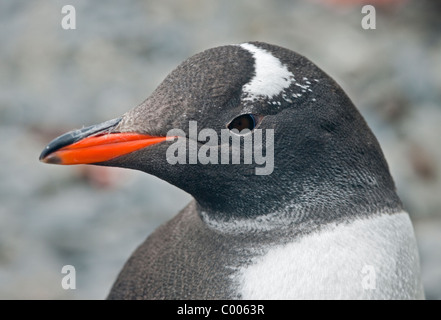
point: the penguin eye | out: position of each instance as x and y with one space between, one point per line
245 121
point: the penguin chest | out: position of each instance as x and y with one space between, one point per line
372 258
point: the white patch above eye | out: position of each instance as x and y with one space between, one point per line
271 76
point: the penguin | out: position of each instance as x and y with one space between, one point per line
319 219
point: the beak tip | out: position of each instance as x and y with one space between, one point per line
43 154
50 153
50 158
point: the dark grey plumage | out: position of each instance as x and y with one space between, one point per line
328 170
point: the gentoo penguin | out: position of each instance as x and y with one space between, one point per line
320 219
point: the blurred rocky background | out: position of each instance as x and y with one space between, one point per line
54 80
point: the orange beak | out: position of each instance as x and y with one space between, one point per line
95 144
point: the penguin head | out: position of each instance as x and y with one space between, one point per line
301 140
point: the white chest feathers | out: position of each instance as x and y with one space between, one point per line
373 258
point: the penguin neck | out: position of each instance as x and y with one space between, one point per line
298 205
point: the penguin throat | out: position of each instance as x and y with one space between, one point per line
299 210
